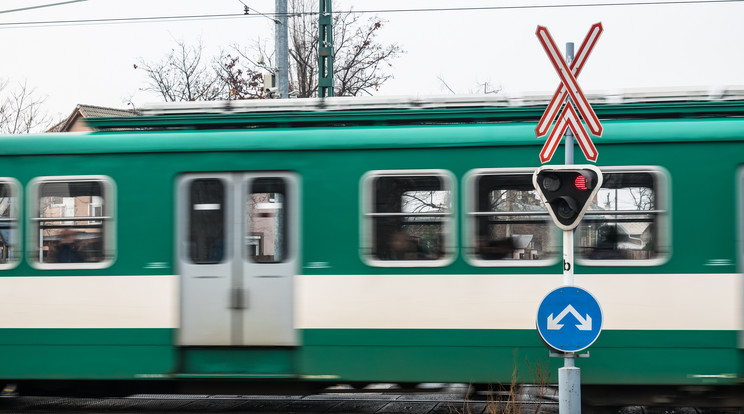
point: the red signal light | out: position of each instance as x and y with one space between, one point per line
580 182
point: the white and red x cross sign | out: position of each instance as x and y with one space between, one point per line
569 87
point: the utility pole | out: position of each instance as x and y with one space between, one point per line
281 41
325 49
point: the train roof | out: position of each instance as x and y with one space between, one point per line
347 123
348 111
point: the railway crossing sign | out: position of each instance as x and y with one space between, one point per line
569 319
569 87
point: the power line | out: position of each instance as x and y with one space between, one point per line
542 6
41 6
247 10
377 11
123 20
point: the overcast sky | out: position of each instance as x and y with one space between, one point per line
695 45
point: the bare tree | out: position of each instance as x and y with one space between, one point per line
241 81
21 109
358 55
643 197
358 62
182 76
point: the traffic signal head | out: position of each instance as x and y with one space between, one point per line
566 191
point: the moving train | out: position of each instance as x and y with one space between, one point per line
233 245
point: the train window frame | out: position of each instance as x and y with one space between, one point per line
470 222
285 207
194 213
662 211
368 215
15 230
108 221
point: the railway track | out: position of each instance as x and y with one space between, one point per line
379 399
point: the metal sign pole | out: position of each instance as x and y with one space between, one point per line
568 257
569 156
569 377
569 386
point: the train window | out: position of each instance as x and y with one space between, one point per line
207 221
8 223
508 225
408 218
74 221
624 225
266 224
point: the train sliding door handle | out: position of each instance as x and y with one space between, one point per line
238 298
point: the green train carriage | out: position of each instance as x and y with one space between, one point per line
352 241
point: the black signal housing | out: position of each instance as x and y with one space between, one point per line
566 191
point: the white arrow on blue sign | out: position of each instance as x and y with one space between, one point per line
569 319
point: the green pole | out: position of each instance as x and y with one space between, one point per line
325 50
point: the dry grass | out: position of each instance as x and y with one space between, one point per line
541 378
513 401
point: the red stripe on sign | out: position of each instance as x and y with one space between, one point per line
551 144
585 142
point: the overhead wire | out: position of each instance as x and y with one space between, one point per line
40 6
351 11
122 20
545 6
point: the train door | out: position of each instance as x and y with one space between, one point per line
238 253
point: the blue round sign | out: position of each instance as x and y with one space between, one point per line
569 319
